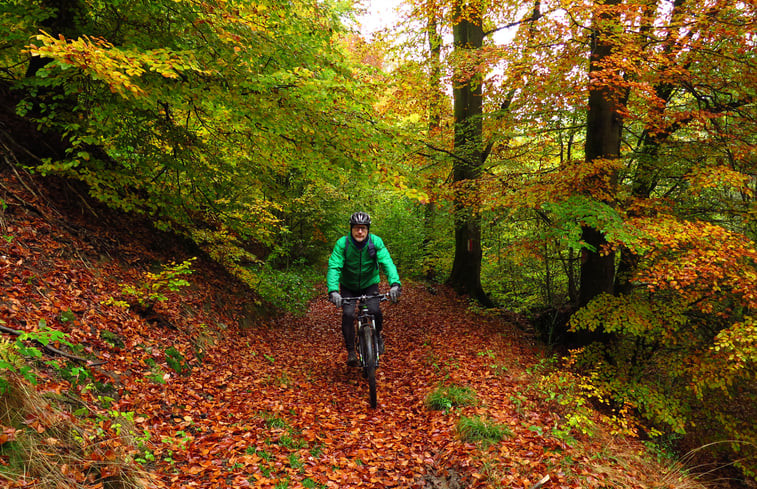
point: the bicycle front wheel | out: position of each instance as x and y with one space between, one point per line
369 362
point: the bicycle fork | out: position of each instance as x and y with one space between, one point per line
365 359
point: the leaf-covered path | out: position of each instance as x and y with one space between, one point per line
277 405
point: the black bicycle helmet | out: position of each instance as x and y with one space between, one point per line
360 218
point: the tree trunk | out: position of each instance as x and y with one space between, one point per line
603 138
465 277
434 110
435 95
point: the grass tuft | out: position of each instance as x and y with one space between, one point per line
478 429
446 397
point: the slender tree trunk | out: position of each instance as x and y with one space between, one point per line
570 271
548 275
647 173
603 138
434 110
435 95
465 277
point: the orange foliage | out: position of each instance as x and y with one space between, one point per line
703 262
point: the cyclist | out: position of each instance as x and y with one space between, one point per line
353 271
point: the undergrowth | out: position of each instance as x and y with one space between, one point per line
44 446
290 290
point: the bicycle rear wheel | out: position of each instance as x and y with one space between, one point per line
369 362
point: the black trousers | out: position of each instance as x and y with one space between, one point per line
349 313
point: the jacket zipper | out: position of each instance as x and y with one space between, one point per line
360 269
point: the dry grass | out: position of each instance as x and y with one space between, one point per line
44 446
632 465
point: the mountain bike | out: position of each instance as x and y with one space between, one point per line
367 340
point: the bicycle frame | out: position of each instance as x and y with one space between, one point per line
366 320
366 340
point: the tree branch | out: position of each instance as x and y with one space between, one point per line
54 350
532 17
445 151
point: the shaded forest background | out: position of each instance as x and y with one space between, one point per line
593 169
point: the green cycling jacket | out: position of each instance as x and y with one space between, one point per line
357 270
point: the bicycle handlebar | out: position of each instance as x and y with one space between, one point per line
365 297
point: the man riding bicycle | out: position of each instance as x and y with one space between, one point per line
353 271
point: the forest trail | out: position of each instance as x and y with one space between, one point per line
276 406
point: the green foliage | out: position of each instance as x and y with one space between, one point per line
312 212
13 354
738 346
399 223
581 399
397 219
112 338
253 161
286 435
436 243
293 271
309 483
288 290
624 314
273 421
446 397
76 375
524 266
569 215
176 361
239 167
156 373
481 430
634 368
152 289
295 462
666 362
20 19
67 316
11 361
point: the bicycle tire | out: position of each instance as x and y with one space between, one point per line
369 362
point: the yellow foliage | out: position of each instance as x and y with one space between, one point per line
701 262
701 178
114 66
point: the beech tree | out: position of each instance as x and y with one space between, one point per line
604 125
468 155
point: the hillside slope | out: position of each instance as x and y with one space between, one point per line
204 392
